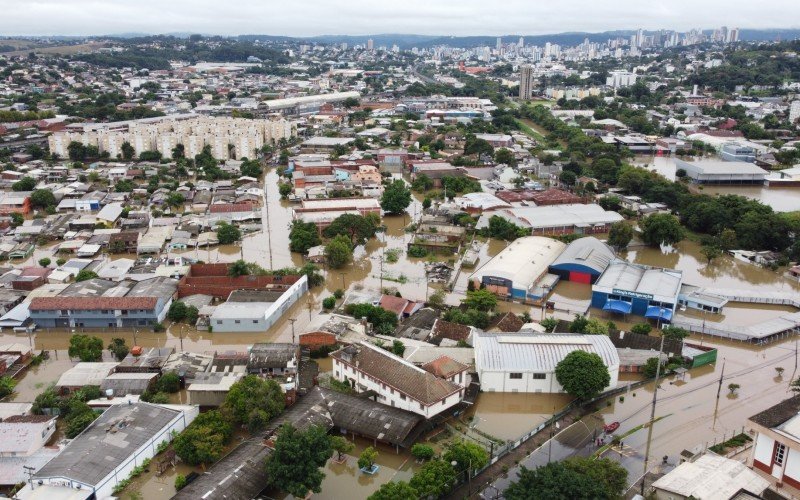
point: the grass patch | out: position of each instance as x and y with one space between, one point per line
734 442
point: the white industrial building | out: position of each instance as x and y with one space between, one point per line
106 452
517 271
257 316
722 172
557 219
526 362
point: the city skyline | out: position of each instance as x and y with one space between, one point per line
316 18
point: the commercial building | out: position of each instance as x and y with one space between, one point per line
583 261
557 219
627 288
397 383
722 172
256 315
307 104
733 151
526 362
323 212
517 271
106 452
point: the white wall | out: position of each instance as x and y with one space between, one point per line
763 449
500 381
791 466
289 297
389 396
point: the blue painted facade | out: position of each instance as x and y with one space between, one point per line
638 305
109 318
563 270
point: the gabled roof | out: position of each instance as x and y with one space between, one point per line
444 367
92 303
396 373
507 322
778 414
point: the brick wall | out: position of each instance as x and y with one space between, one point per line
213 279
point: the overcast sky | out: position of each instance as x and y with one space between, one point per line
355 17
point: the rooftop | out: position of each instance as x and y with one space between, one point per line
525 352
711 477
108 442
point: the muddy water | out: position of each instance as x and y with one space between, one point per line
509 415
781 199
38 378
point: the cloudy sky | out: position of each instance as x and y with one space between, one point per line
353 17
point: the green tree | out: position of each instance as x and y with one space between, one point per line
727 239
341 446
303 236
238 268
395 490
127 151
482 300
674 332
254 401
339 252
170 383
85 274
80 416
203 442
76 151
650 368
711 252
358 228
24 184
118 348
180 482
17 219
251 168
595 327
468 456
396 197
367 458
177 311
434 479
422 451
44 261
294 465
43 198
505 156
582 374
7 385
422 183
328 303
661 229
642 328
175 200
620 235
228 233
579 479
285 189
85 348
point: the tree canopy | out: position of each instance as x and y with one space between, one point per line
254 401
359 228
302 236
339 252
228 233
582 374
661 229
576 478
396 197
85 347
294 466
203 442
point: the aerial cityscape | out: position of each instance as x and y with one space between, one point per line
353 250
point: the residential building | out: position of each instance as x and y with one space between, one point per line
710 477
775 455
397 382
526 362
620 78
794 111
525 81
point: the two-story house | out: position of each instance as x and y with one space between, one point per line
398 383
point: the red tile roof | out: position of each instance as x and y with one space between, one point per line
444 367
394 304
92 303
220 208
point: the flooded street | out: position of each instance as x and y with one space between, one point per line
507 416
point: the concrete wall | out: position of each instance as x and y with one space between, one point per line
289 297
501 381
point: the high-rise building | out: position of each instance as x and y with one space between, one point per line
521 42
525 81
499 43
733 35
794 111
370 44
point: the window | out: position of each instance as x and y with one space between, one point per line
237 321
780 453
539 376
515 375
219 321
403 397
255 321
421 406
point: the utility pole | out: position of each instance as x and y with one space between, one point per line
652 414
344 288
292 320
181 337
29 471
134 337
719 389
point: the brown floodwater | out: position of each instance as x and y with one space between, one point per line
508 416
781 199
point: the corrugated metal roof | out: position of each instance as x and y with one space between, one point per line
589 252
522 352
523 261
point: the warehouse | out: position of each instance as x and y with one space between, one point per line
627 288
526 362
722 172
519 272
583 261
557 219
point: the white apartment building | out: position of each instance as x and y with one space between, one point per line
229 138
794 111
398 383
620 78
